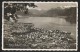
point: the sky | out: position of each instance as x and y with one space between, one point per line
46 6
49 5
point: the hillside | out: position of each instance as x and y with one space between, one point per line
25 35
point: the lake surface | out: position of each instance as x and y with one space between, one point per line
51 23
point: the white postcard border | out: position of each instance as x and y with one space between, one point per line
39 49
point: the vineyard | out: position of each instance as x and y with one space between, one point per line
25 35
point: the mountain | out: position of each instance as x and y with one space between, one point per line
36 12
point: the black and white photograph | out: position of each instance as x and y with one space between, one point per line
39 26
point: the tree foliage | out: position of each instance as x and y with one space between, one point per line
20 5
71 14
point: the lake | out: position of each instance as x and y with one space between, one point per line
50 23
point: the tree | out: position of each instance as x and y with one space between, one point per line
71 14
20 5
11 8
